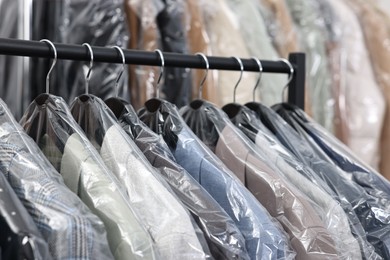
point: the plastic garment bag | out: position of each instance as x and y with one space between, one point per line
158 24
199 41
14 77
162 215
145 35
172 24
280 26
264 237
285 202
99 23
330 211
224 238
259 44
19 237
374 184
371 216
359 101
226 40
376 28
51 124
70 229
313 35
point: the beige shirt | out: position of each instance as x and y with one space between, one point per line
227 41
376 28
360 105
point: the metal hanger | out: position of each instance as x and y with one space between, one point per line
161 72
239 79
89 74
259 78
123 69
52 65
290 77
206 61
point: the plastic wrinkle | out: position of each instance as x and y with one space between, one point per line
264 237
64 143
174 233
224 238
309 236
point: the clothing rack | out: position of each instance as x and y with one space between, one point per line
296 90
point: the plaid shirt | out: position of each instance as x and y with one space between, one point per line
71 231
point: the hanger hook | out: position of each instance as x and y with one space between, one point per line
259 78
206 61
161 72
239 79
290 76
123 69
88 77
52 65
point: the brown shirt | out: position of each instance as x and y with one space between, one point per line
144 35
282 200
199 41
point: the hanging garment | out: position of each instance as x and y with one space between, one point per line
224 238
263 236
274 123
148 194
366 207
14 76
280 26
145 35
99 23
376 29
86 175
283 201
67 225
226 40
371 181
259 44
312 33
172 24
199 41
329 210
19 237
360 105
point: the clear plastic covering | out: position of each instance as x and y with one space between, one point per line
331 213
280 26
67 225
313 34
264 237
376 29
359 103
99 23
254 32
370 214
169 224
374 184
19 237
224 238
49 121
199 41
295 211
159 24
145 35
226 40
13 73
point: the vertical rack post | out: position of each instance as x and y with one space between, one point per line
296 89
